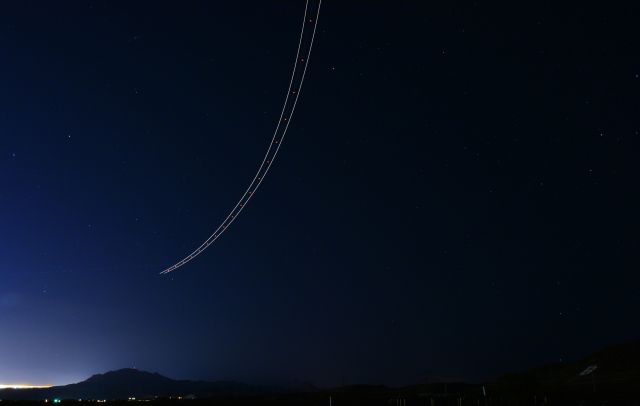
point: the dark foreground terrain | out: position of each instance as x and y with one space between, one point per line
450 394
367 399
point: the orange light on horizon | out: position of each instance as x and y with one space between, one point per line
23 386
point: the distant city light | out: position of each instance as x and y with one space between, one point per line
23 386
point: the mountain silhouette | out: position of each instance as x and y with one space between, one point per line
611 373
127 383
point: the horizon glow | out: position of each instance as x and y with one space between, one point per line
23 386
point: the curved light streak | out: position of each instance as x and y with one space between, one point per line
274 145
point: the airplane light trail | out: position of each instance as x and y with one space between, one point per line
297 77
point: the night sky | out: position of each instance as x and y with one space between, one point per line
457 196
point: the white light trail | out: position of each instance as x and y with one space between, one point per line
288 108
